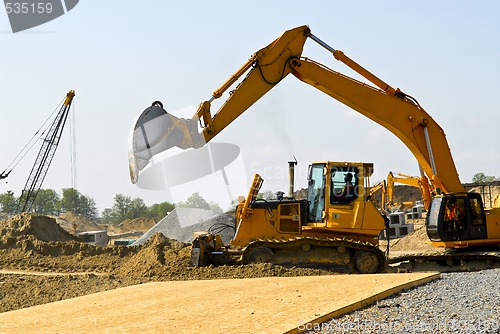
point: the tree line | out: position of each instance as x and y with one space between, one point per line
482 178
50 202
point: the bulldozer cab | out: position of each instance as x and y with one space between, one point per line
335 183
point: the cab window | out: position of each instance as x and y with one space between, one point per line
343 184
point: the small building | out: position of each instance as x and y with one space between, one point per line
99 238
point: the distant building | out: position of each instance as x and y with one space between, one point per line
99 238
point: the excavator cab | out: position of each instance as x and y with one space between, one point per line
455 218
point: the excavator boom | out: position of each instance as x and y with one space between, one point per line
399 114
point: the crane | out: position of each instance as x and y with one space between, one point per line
44 158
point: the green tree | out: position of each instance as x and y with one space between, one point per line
137 208
87 207
121 207
73 200
47 202
8 202
107 216
215 207
195 201
125 207
482 178
69 200
160 210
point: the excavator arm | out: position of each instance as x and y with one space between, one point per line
389 107
156 131
422 183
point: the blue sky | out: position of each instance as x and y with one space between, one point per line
119 56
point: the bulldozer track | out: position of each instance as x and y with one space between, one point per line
344 245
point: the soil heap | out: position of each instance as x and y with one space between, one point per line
132 225
416 241
41 227
75 223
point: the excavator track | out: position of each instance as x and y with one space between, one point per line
449 261
355 256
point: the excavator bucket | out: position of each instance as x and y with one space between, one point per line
156 131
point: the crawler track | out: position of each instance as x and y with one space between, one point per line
451 261
357 256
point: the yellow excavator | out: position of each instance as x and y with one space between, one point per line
422 183
382 187
331 226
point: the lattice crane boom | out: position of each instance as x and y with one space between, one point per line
44 158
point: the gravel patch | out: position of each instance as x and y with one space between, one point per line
461 302
181 223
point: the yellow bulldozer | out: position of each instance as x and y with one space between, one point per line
335 225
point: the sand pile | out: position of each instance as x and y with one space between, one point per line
75 223
164 258
159 256
416 241
181 223
41 227
31 235
132 225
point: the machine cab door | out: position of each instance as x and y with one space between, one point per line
316 192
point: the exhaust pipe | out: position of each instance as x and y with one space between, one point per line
291 174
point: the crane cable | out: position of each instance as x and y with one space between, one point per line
25 150
72 131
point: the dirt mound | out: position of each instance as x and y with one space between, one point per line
41 227
75 223
416 241
132 225
161 257
402 193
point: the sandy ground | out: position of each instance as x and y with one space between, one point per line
265 305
